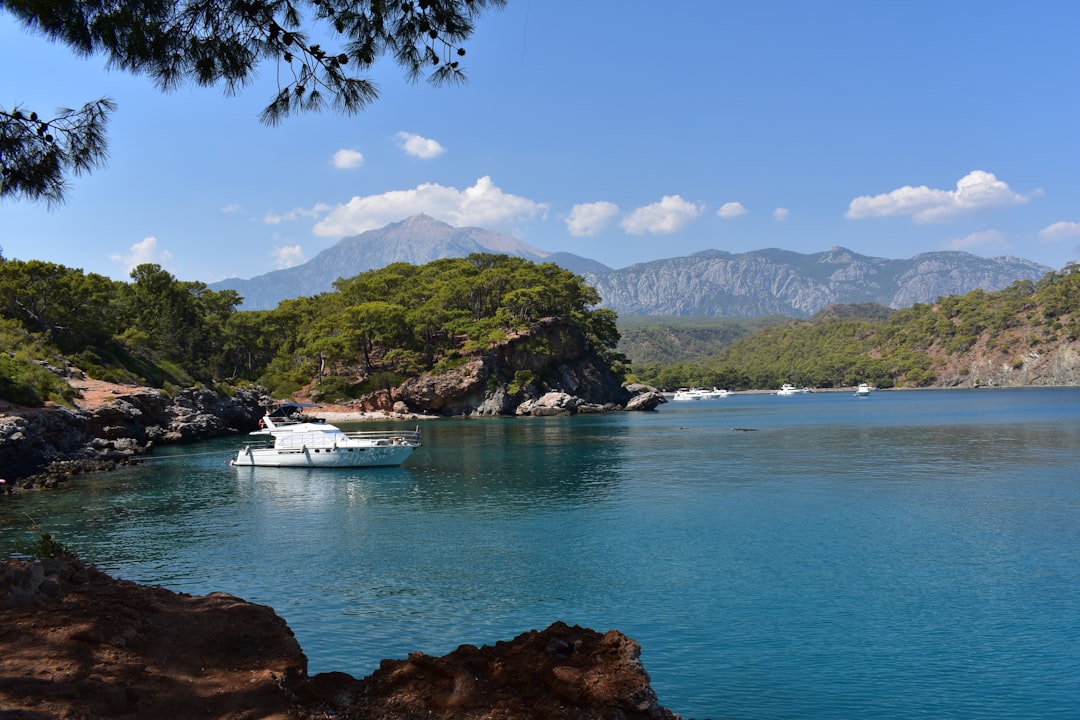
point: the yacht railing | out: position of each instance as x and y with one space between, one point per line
322 439
397 437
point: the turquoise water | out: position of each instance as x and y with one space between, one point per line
907 555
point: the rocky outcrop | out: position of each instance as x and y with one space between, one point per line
77 643
42 447
1002 361
551 370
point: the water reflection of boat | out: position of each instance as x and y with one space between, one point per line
286 438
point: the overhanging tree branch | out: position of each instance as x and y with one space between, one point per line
37 155
222 42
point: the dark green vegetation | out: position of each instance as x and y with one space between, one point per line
373 331
844 345
672 339
221 42
383 326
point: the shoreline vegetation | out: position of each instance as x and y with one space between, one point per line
99 372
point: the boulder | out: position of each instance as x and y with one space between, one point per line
644 397
550 404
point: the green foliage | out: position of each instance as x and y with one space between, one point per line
522 380
44 545
383 326
647 340
406 319
26 383
47 547
225 43
845 345
37 154
334 389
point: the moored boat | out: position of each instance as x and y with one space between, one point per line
699 394
286 438
863 390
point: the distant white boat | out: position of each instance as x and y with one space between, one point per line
863 390
683 394
287 439
789 389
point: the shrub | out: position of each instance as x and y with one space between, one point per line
27 383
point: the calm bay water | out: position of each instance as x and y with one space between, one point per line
907 555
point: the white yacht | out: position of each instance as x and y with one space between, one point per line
286 438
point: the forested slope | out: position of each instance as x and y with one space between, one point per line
379 328
372 332
1026 334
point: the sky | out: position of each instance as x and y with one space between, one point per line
618 130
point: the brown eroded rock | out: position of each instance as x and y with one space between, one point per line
90 646
77 644
564 672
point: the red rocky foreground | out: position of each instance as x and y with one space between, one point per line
77 644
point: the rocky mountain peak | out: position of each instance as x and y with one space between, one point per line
712 282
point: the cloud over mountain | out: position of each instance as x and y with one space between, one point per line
976 191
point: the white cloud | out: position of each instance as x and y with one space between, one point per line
421 147
483 205
230 208
1060 231
346 159
590 218
731 209
985 241
318 210
669 215
780 214
142 252
287 256
976 191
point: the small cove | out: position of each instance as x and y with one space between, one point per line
906 555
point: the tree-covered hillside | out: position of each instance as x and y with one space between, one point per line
1025 334
667 340
374 330
379 328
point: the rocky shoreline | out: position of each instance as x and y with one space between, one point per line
44 447
76 643
114 425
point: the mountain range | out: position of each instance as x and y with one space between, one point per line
709 283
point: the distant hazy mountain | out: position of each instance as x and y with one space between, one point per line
710 283
779 282
577 264
417 240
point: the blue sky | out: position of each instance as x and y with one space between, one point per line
619 130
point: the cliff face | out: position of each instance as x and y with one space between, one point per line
993 362
549 370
